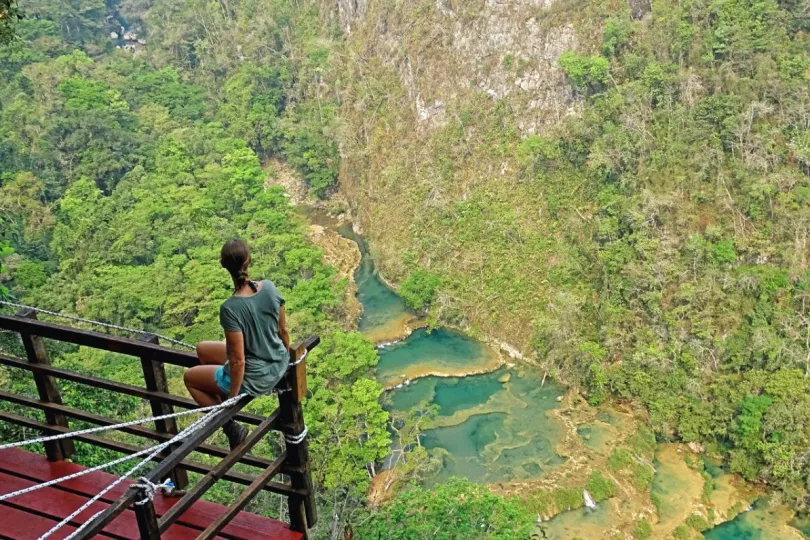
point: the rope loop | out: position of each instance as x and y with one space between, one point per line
297 439
306 352
153 452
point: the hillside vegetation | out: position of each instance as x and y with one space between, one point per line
619 190
121 175
651 245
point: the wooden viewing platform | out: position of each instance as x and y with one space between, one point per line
30 515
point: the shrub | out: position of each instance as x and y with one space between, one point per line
585 72
419 289
642 530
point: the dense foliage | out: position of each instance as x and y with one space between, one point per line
455 510
691 160
122 175
647 243
648 247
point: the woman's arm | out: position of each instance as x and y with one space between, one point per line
282 328
235 343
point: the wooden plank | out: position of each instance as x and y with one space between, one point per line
47 389
211 450
97 340
56 504
236 507
37 468
114 386
298 373
303 512
107 342
20 525
147 520
162 468
218 472
154 375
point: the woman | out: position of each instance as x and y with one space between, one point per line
255 355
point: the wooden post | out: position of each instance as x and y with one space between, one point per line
48 390
147 519
154 374
303 513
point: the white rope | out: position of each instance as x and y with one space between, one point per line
296 439
98 323
98 429
280 391
157 449
306 352
130 457
49 483
150 489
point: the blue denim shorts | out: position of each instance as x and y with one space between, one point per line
224 381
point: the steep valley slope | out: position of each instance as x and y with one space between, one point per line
616 190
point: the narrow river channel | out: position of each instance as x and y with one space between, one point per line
492 424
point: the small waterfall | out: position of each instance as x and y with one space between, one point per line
588 500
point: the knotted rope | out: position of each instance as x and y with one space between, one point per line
149 489
155 451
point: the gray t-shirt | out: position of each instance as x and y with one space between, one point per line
256 316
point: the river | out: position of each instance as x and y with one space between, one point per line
498 422
493 423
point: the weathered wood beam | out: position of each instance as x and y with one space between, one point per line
192 466
163 468
154 375
114 386
97 340
241 501
218 472
46 387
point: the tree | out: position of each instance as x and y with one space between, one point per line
457 509
419 289
5 251
409 461
9 15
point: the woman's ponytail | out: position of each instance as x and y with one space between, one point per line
235 258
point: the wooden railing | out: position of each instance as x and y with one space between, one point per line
173 463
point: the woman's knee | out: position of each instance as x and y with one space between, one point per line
212 352
202 378
188 377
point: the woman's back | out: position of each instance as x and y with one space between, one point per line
257 317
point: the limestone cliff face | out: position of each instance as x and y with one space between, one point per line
505 49
433 93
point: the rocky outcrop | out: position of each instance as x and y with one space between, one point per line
350 11
506 49
429 87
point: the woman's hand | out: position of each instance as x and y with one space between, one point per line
235 344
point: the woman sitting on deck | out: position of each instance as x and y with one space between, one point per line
254 356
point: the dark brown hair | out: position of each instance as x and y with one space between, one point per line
235 258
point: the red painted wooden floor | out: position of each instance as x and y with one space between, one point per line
28 516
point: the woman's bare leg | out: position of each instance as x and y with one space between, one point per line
202 385
212 353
